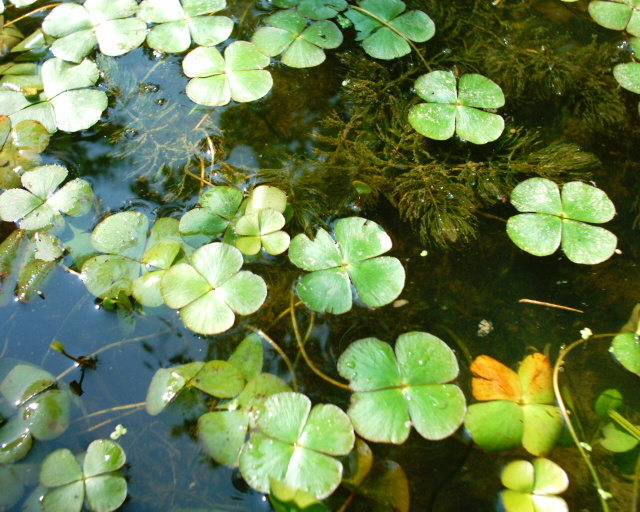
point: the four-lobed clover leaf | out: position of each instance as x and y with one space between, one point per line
215 210
180 22
108 23
533 486
21 146
297 445
40 206
127 252
617 15
302 45
30 407
238 76
394 392
216 378
551 220
262 230
354 256
384 30
223 431
99 481
68 102
449 110
211 289
518 408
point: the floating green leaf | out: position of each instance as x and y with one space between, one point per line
216 378
238 76
121 238
385 31
108 23
628 76
553 220
392 393
449 110
296 445
179 23
25 264
262 230
608 400
215 209
617 440
68 102
518 408
302 45
224 431
533 486
10 36
20 148
211 289
354 258
266 196
626 348
99 481
32 407
617 15
40 206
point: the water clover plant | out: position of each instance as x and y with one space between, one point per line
238 76
68 102
215 209
285 499
551 220
223 431
615 437
121 239
99 480
517 407
20 148
25 263
626 346
385 29
533 486
211 289
302 45
109 23
30 406
297 445
394 392
262 230
216 378
354 257
178 23
40 206
617 15
314 9
452 110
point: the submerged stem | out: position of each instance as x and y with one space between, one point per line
280 352
310 364
602 494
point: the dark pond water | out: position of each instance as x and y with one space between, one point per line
468 292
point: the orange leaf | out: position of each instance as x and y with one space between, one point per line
494 381
536 379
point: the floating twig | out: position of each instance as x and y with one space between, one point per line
550 305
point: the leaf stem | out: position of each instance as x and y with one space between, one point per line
51 6
393 29
602 494
631 429
310 364
280 352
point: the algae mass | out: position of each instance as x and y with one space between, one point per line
224 212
